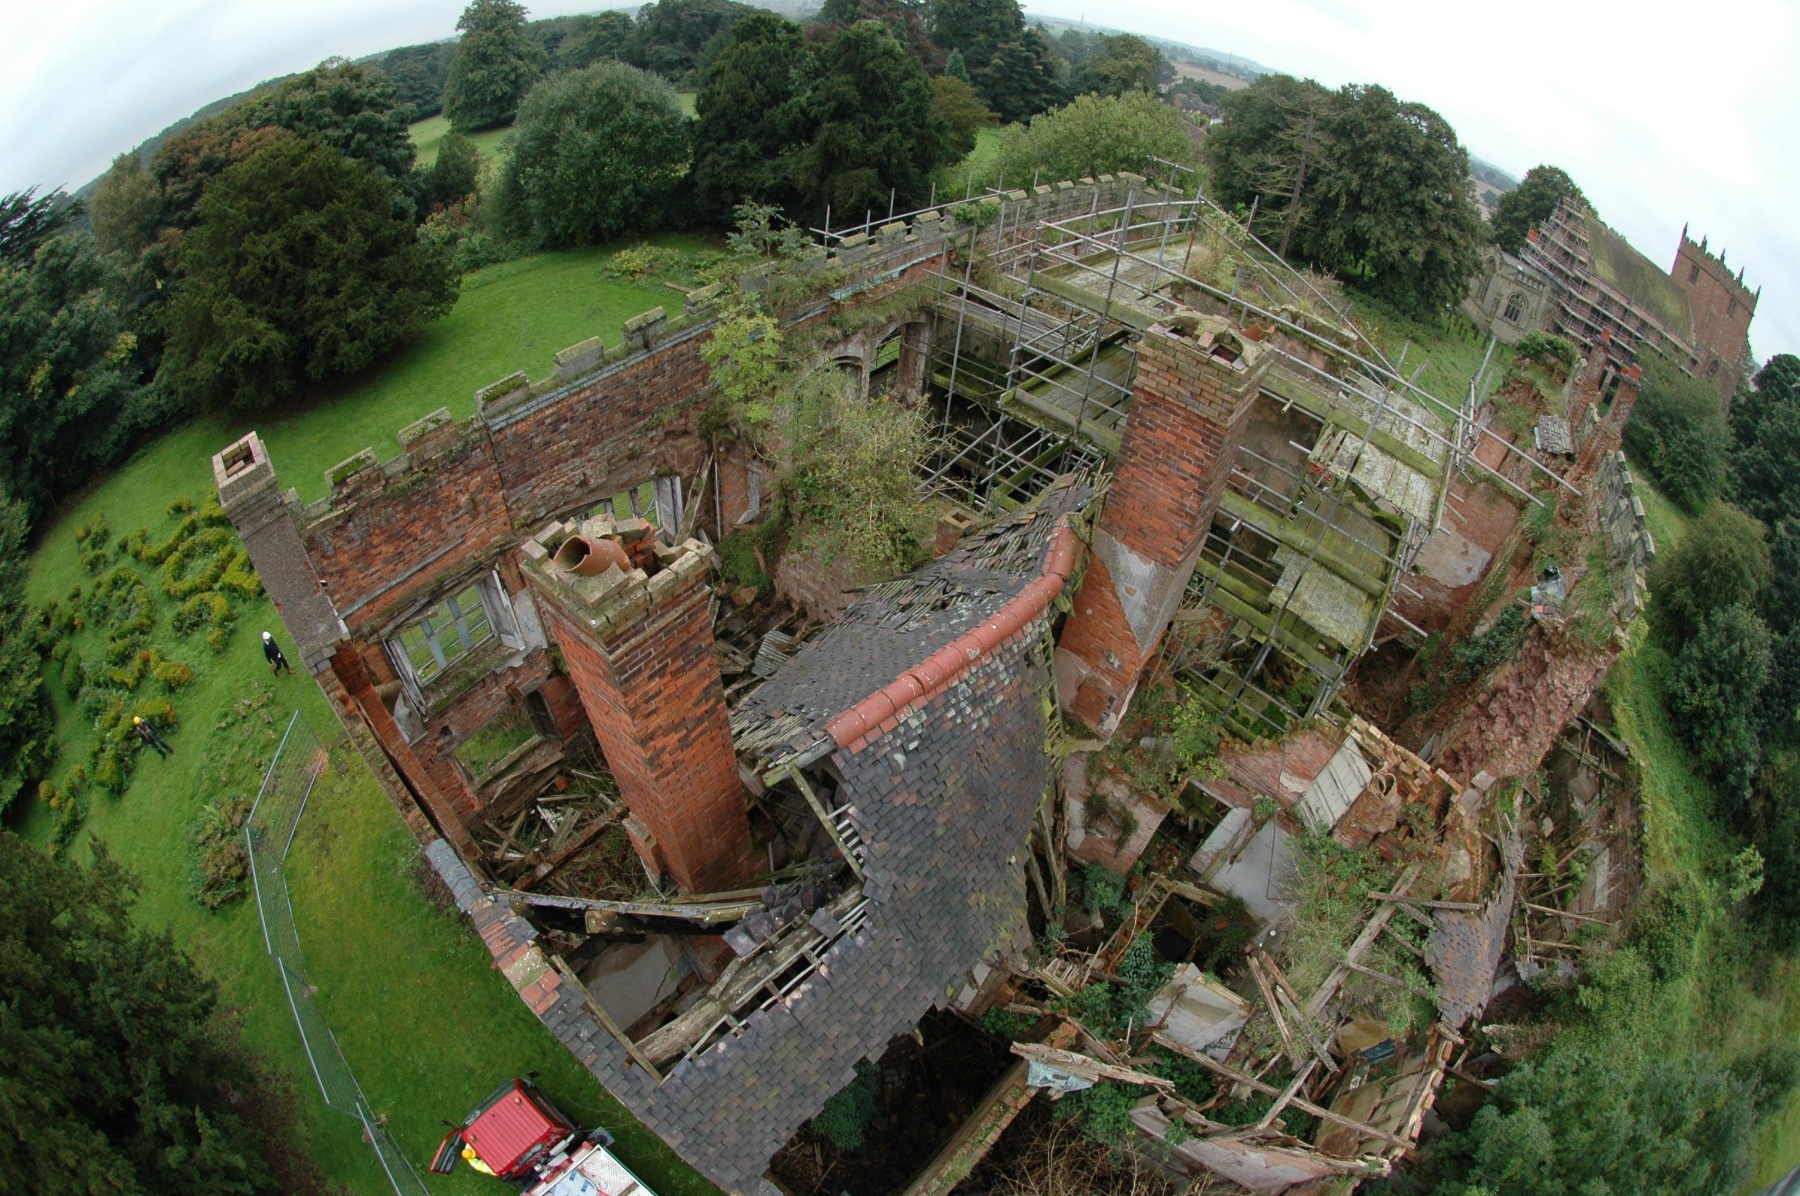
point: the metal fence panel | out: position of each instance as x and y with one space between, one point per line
268 834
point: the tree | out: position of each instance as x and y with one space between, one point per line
27 726
1092 136
1678 433
976 27
70 383
1712 692
954 102
1262 152
496 63
606 37
28 219
1775 829
1121 64
1391 201
124 1077
1530 204
1020 78
676 38
1765 423
752 117
1593 1122
455 173
300 269
351 108
956 67
1358 181
127 208
418 74
595 152
1723 561
875 139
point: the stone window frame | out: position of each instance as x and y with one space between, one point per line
1515 307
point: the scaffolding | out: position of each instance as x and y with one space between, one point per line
1324 511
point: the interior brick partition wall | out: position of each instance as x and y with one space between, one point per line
641 657
1190 403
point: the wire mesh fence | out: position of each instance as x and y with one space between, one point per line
268 834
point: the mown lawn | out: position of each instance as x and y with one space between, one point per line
428 134
512 316
424 1019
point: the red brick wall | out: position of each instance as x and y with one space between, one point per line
653 696
1188 414
615 432
1721 305
387 540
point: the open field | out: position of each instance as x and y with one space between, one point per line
1188 70
424 1020
428 135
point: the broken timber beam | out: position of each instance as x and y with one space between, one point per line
1090 1069
1464 906
978 1133
1305 1106
581 842
1316 1006
604 1018
818 808
707 912
740 979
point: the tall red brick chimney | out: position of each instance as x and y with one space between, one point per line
1196 382
638 644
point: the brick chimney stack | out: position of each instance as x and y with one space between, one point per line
1197 378
638 644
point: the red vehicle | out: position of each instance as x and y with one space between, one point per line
517 1134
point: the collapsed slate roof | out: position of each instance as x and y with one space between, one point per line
942 799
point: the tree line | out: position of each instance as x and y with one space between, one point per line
1366 185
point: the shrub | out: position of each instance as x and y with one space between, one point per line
1546 348
1712 692
848 1113
222 865
594 152
1723 561
852 489
1678 433
633 263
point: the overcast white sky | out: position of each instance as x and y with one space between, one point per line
1664 113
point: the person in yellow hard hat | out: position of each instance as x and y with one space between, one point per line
474 1160
152 738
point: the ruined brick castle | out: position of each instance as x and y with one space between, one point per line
838 827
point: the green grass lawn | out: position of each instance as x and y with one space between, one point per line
428 134
1450 350
424 1019
513 316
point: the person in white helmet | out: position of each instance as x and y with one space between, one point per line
272 653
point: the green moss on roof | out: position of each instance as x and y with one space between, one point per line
1639 279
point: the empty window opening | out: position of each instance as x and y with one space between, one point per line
504 738
448 632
